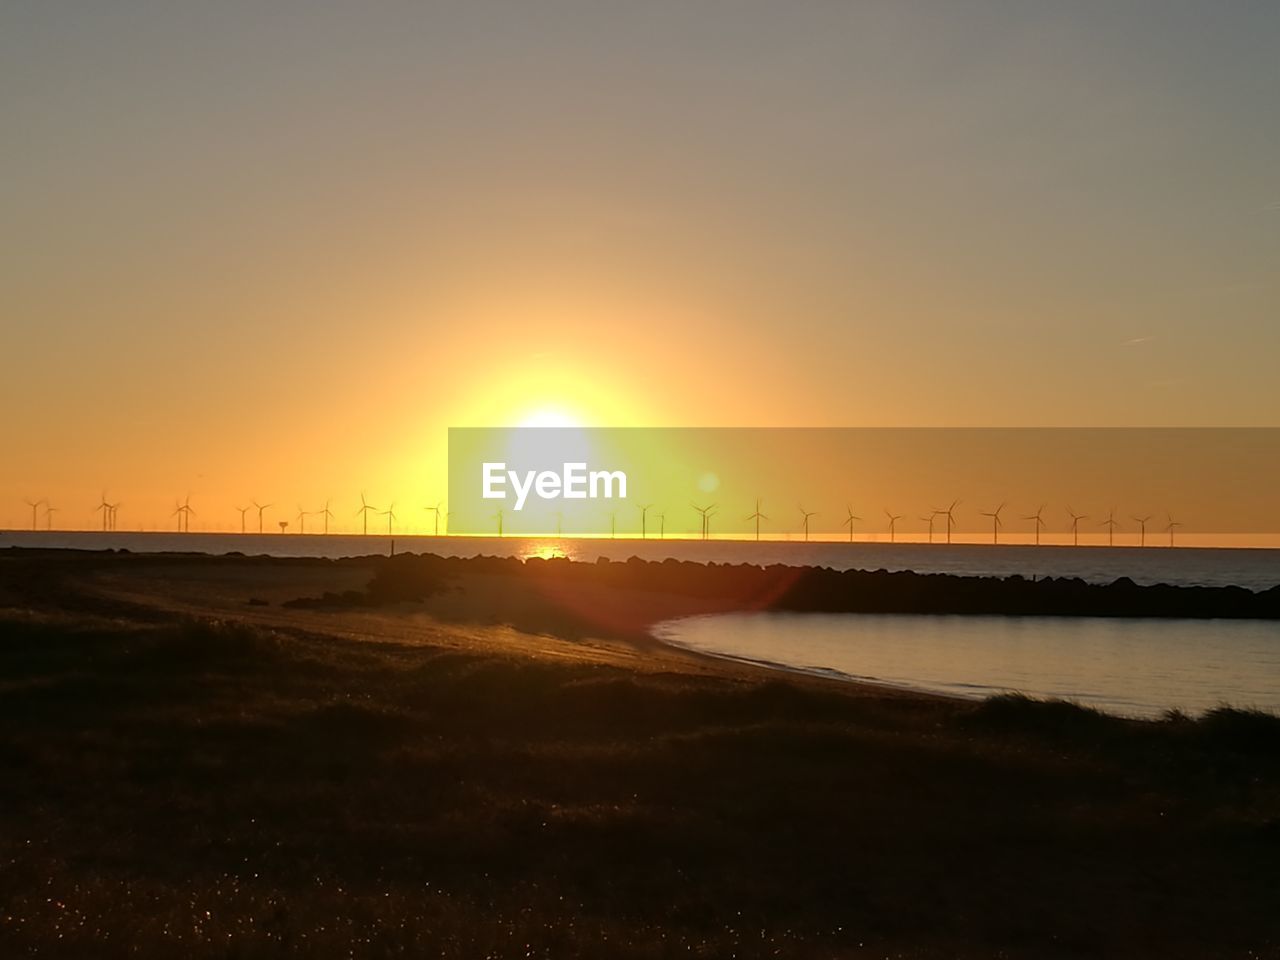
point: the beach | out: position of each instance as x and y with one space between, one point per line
258 757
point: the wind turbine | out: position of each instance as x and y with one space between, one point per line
1110 523
1142 527
806 514
105 508
927 519
1172 524
757 517
328 515
435 510
559 524
390 514
893 525
705 511
243 511
112 508
950 514
183 512
1039 519
996 522
848 522
644 519
363 512
302 520
261 508
1075 525
49 511
662 526
35 506
498 516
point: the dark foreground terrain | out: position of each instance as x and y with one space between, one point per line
187 774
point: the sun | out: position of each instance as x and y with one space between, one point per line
550 417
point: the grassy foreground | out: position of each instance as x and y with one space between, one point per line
197 787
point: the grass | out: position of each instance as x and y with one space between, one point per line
193 788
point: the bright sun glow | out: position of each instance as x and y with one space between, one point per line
549 417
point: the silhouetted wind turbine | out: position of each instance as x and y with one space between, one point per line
1111 523
183 512
498 516
302 519
243 511
112 509
363 512
644 520
1075 525
435 510
927 519
261 507
328 515
704 512
1170 527
806 514
848 521
49 511
1142 528
390 514
996 522
893 525
1039 519
106 511
662 526
35 506
757 517
950 514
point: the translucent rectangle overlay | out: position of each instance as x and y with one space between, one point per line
1089 485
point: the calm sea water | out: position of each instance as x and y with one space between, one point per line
1128 667
1252 568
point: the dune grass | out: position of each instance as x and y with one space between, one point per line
212 789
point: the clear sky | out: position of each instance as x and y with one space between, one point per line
275 250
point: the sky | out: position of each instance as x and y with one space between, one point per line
276 250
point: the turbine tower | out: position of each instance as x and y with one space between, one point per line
1110 523
35 506
262 507
390 514
111 514
950 514
328 515
364 511
996 522
927 518
1142 529
644 520
806 514
498 516
706 517
49 511
1171 526
243 511
302 520
436 511
106 511
757 517
849 520
1075 525
893 525
1038 517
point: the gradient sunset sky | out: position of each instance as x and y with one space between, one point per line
275 250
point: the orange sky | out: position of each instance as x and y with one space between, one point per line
278 252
